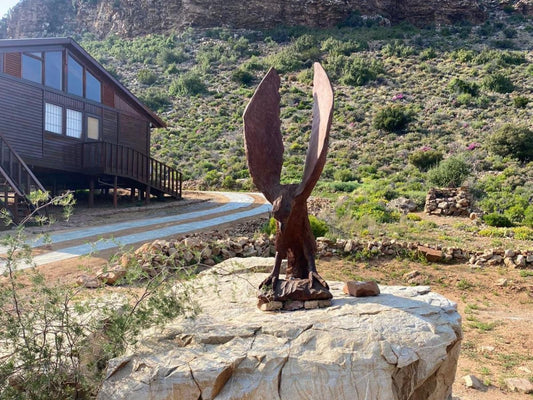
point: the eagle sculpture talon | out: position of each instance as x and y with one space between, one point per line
264 152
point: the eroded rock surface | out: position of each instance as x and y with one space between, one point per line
402 344
34 18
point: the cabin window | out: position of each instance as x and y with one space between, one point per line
53 69
74 119
93 128
1 62
74 77
53 118
32 67
93 88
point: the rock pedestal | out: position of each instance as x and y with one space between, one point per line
402 344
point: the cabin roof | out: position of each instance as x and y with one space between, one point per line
72 45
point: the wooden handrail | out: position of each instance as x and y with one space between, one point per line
120 160
22 170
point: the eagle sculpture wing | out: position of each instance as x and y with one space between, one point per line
262 136
318 142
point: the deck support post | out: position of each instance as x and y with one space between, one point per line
147 197
115 192
132 194
91 192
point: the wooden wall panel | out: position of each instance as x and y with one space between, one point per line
13 64
63 100
21 113
132 133
93 109
122 105
61 152
108 95
110 127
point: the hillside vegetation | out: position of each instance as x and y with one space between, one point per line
414 108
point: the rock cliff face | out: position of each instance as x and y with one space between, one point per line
31 18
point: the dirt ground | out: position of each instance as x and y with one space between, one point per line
496 303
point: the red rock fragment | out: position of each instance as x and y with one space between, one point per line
361 289
432 255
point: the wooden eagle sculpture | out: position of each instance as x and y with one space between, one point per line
264 152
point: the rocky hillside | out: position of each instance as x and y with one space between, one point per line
131 18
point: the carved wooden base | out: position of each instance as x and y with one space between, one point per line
294 294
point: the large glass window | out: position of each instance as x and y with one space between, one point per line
75 77
92 87
53 118
93 128
53 69
32 67
74 119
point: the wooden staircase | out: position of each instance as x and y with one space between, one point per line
16 183
119 160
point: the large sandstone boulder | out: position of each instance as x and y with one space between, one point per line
402 344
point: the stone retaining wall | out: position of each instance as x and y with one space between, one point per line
449 201
154 256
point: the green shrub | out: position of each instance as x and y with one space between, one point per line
146 77
346 187
358 71
155 99
498 83
188 84
428 54
242 77
344 47
498 220
398 49
459 86
167 57
318 227
451 172
394 118
520 101
528 216
513 141
425 159
344 175
523 233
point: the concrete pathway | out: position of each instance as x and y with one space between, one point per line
230 211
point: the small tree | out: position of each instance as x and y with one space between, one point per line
451 172
425 159
394 118
513 141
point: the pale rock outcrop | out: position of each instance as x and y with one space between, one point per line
402 344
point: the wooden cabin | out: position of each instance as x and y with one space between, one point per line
67 123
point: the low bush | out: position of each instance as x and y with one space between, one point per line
451 172
460 86
498 83
513 141
498 220
394 118
242 77
358 71
318 227
425 159
155 99
188 84
146 77
520 101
